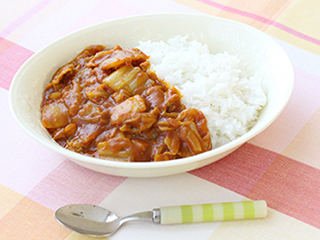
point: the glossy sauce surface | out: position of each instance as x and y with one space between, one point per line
108 103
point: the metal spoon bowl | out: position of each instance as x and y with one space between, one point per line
94 220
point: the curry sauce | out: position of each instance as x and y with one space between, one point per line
109 103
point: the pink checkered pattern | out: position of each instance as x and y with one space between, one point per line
281 165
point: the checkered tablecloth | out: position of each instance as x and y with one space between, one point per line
280 165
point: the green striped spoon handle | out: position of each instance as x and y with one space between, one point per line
211 212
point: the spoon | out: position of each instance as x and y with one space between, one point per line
97 221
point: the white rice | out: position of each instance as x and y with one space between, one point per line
212 83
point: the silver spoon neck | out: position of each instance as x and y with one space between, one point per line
142 216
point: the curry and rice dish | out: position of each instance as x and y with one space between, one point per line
127 105
108 103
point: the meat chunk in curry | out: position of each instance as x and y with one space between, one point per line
108 103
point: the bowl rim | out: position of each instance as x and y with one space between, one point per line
145 165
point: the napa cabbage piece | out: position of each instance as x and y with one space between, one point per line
126 77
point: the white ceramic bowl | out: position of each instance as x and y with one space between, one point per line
259 53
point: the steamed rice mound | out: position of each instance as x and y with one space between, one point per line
213 83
